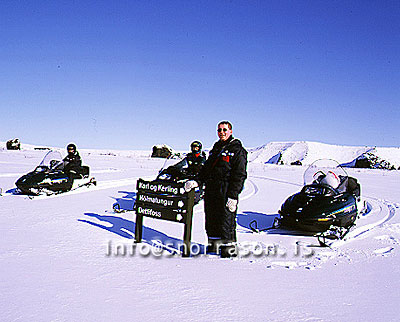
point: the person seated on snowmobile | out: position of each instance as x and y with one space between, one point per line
72 162
196 158
191 165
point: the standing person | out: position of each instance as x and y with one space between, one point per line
223 174
73 161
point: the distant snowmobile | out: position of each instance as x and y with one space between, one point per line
49 177
328 204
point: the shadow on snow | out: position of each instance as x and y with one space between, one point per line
264 222
14 191
126 228
125 202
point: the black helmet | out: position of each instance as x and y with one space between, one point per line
71 146
196 144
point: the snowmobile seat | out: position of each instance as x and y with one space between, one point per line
85 171
350 185
343 184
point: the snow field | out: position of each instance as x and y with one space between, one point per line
54 262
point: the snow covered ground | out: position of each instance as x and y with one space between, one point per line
62 257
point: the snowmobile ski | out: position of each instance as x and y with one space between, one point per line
46 192
335 233
254 226
117 209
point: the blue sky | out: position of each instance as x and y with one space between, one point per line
131 74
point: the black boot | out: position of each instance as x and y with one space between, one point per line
228 250
213 246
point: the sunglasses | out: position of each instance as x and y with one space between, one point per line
222 129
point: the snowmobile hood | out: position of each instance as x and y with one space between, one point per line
317 213
29 181
30 178
39 179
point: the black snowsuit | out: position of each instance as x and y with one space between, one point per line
223 174
73 164
191 165
195 162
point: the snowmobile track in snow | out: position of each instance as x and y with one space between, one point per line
275 180
254 190
381 212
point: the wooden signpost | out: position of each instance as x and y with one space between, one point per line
167 201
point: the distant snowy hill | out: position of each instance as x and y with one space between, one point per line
110 152
308 152
272 153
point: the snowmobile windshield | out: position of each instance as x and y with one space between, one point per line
174 160
324 168
51 161
173 167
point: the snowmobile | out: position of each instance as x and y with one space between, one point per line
49 177
172 171
328 204
180 172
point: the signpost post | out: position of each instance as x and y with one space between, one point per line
167 201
